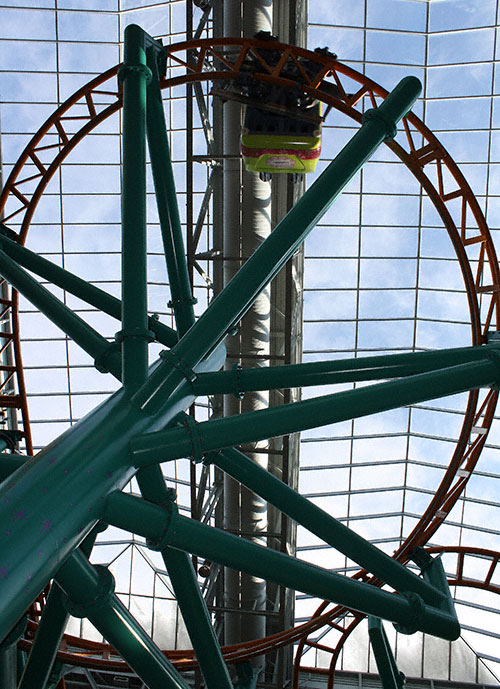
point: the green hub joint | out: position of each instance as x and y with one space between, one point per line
161 542
103 362
375 115
417 608
103 594
125 70
172 358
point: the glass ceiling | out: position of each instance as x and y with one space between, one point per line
380 276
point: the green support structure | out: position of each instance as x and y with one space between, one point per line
241 380
196 439
52 503
39 666
389 674
231 304
79 288
165 527
83 334
90 593
135 334
159 153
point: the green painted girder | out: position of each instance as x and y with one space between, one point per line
240 380
163 527
198 438
323 525
82 289
228 307
90 591
135 334
163 177
389 674
83 334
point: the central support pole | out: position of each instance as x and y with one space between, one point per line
134 335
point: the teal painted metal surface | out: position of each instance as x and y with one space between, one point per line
91 592
323 525
51 503
166 527
241 380
386 665
39 667
83 334
218 434
231 304
79 288
196 618
166 200
134 335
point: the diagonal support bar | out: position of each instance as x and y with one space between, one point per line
91 594
320 523
238 381
196 618
159 153
79 288
389 674
217 434
75 327
168 528
232 303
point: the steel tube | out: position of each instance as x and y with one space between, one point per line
226 549
53 501
230 305
79 288
134 74
75 327
196 618
339 371
217 434
166 200
108 614
326 527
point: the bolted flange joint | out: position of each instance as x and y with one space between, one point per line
494 356
125 70
104 591
161 541
415 614
374 114
102 362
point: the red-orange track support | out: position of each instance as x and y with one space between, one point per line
224 60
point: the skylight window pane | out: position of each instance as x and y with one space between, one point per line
395 47
461 14
396 14
344 12
461 47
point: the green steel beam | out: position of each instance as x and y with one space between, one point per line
159 153
198 438
54 500
390 676
135 334
165 527
321 524
38 669
196 618
231 304
84 335
192 605
79 288
90 591
240 380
